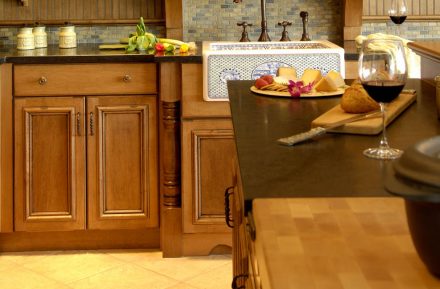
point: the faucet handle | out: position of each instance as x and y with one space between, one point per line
244 34
305 19
285 34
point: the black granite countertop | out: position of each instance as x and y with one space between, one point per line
329 166
87 53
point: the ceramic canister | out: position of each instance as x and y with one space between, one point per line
67 37
25 39
40 36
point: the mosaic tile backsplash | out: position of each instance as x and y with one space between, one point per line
214 20
410 30
217 20
84 34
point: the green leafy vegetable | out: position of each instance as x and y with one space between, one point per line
139 40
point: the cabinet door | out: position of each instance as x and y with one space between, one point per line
122 162
49 164
208 152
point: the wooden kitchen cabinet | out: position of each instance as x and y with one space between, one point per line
62 141
122 189
49 164
208 149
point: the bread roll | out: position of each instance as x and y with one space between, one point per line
356 100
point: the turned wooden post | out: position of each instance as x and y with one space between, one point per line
169 147
171 154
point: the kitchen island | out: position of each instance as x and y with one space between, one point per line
331 166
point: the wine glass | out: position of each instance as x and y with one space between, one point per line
398 13
383 73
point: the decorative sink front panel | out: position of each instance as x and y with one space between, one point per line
223 61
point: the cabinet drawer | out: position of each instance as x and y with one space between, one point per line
85 79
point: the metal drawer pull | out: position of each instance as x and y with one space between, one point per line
42 80
229 221
78 124
91 124
126 78
235 280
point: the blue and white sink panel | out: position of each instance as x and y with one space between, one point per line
223 61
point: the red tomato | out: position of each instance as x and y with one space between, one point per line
260 82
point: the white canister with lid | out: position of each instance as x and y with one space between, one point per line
25 39
67 37
40 36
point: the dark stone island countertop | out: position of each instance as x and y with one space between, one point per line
89 53
330 166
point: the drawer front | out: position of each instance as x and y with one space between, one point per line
85 79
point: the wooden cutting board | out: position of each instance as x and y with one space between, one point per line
368 126
112 46
336 243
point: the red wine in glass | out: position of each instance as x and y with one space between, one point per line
398 12
383 73
383 90
398 19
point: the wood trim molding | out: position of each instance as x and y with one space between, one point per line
352 18
84 22
80 240
6 149
174 18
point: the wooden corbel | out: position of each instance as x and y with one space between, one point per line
24 2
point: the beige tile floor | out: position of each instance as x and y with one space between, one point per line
118 269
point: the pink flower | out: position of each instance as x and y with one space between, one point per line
298 87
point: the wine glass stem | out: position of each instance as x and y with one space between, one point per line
383 141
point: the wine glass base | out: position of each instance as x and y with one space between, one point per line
383 153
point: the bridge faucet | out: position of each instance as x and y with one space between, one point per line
264 36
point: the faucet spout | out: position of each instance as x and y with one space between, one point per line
264 36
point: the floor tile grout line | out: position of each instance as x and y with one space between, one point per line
64 282
125 262
22 255
192 286
184 280
90 276
155 272
187 258
54 281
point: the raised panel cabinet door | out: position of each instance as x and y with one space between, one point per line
122 162
49 164
208 152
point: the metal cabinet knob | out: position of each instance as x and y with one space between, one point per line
126 78
42 80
